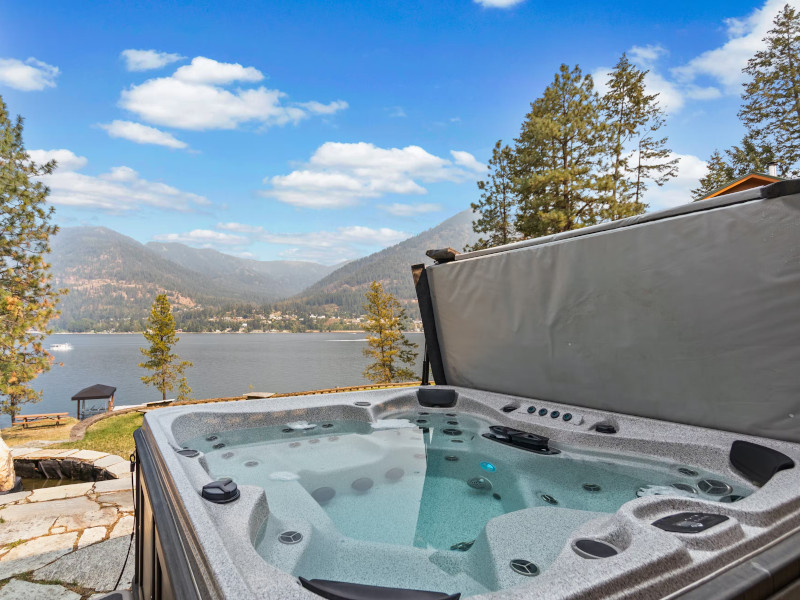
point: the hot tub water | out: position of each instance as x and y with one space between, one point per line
406 503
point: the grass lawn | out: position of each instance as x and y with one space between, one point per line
113 435
17 436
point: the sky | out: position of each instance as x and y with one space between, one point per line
325 131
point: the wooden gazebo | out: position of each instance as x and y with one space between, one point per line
97 391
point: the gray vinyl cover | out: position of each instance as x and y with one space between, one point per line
690 315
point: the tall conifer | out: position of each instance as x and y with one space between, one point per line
750 156
637 154
387 345
27 297
771 110
167 367
560 152
499 199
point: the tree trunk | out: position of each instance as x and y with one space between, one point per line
7 476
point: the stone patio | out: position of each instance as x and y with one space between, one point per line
68 542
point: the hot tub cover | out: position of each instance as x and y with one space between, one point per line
689 315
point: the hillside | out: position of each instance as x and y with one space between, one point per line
113 279
249 278
345 286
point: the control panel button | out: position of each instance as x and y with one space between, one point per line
555 414
567 416
542 412
531 409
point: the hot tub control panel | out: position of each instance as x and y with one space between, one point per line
567 417
689 522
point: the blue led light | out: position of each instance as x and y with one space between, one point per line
487 466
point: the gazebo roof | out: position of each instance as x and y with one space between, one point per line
93 392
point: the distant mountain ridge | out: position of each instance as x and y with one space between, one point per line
345 286
113 279
271 279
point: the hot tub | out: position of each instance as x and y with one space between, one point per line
376 489
614 416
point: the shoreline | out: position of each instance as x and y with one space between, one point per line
214 332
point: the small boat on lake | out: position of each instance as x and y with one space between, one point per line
60 347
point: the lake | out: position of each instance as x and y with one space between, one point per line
224 365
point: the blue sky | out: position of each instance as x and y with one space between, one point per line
327 130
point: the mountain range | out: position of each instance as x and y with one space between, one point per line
112 278
345 287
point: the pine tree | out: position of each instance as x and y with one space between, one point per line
636 152
386 344
184 391
27 298
771 110
560 153
498 204
166 366
719 173
750 157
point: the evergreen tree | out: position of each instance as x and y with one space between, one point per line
719 173
166 366
771 110
636 153
386 344
560 153
498 204
184 391
750 156
27 298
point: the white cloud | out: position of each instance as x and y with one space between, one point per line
203 237
31 75
120 189
332 247
240 227
318 108
646 56
210 71
66 159
145 60
142 134
670 96
409 210
194 97
696 92
397 112
724 65
498 3
677 190
466 160
712 73
341 174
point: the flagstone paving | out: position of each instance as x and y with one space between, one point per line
76 535
16 589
